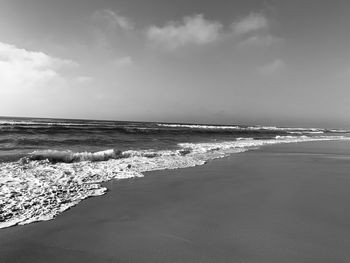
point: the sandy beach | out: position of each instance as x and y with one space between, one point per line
281 203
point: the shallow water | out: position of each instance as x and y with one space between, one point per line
48 166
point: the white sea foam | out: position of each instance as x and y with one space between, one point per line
36 189
340 131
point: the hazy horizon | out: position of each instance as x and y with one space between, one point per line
268 62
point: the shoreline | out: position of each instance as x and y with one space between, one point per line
234 209
63 184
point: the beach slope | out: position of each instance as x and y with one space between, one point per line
281 203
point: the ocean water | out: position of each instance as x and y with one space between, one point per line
50 165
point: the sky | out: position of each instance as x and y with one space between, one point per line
270 62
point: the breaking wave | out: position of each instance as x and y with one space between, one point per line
70 157
45 183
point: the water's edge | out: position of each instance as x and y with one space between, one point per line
39 190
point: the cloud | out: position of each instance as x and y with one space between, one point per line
122 62
254 22
260 40
271 68
83 79
112 20
195 30
254 30
21 69
251 30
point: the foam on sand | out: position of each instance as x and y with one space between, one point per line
46 183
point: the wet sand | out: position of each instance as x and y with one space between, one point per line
282 203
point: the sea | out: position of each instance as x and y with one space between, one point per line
49 165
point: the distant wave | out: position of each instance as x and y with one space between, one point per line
195 126
24 125
56 127
45 183
339 131
248 128
42 123
133 127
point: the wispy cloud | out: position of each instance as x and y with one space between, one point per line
21 68
112 20
83 79
194 30
254 30
123 61
252 23
251 30
272 68
260 40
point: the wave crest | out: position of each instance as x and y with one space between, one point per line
70 157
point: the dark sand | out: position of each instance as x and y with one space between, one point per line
285 203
